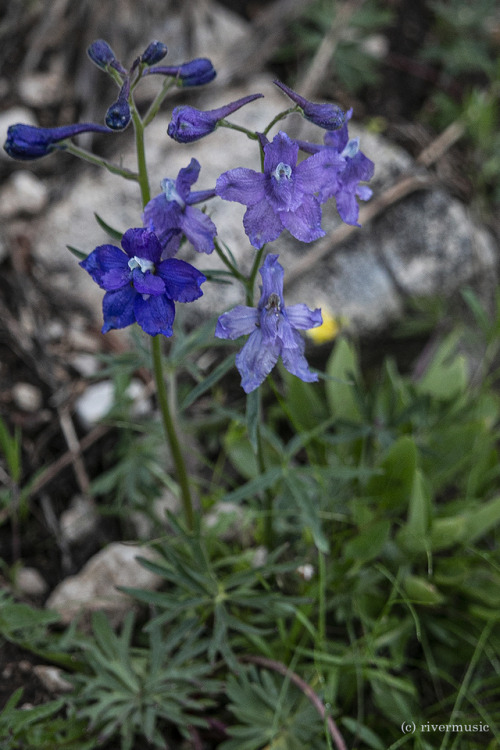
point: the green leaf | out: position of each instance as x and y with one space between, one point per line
447 532
394 485
446 375
482 520
78 253
208 382
343 367
414 536
113 233
422 591
369 543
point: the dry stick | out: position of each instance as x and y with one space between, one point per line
316 71
73 444
67 458
282 669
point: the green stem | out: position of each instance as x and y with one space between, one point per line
281 116
249 133
156 104
141 156
253 275
161 390
236 273
170 432
81 153
322 599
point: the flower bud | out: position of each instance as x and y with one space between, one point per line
193 73
153 53
118 115
189 124
27 142
101 54
327 116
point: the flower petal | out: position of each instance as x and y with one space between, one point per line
300 316
281 149
272 280
295 362
262 224
187 176
256 360
147 283
142 243
108 267
239 321
199 229
241 185
305 222
318 172
182 280
118 308
155 314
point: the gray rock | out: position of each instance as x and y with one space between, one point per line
78 521
30 582
23 193
95 586
27 396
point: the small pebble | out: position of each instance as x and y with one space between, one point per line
27 396
30 582
79 520
22 193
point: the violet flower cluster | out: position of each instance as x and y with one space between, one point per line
143 280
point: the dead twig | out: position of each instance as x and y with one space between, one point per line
318 704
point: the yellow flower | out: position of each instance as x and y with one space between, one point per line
327 331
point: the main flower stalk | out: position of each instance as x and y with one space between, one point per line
161 389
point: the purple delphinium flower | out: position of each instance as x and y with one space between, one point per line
189 124
193 73
27 142
140 287
281 197
344 185
103 56
171 215
273 329
327 116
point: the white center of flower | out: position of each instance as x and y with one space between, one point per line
282 171
351 148
143 263
170 191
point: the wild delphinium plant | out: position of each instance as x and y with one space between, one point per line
144 280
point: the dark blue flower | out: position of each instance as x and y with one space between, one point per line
28 142
193 73
327 116
118 115
140 287
283 196
273 329
344 186
171 214
189 124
